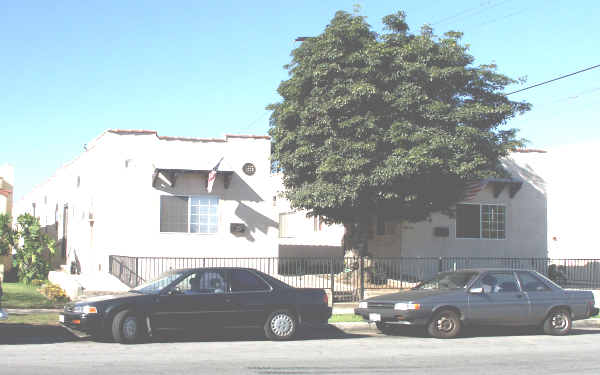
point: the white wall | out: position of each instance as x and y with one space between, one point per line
325 242
572 183
7 182
526 223
126 207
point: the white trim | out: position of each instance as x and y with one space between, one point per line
189 214
480 229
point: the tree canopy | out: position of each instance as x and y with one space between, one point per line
391 124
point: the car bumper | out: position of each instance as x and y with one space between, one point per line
393 316
91 324
318 315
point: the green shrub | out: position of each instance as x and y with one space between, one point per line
32 259
54 292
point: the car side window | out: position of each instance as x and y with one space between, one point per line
530 283
498 282
245 281
203 282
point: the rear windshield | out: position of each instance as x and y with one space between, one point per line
448 280
275 283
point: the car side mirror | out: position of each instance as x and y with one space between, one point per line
476 290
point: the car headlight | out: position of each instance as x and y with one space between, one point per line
407 306
363 305
85 309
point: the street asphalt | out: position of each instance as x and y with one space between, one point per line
318 350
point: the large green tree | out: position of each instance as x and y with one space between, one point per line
391 125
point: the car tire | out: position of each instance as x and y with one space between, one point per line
127 327
445 324
281 325
388 329
558 322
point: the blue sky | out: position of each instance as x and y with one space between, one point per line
70 69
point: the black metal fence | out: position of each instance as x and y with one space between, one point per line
348 277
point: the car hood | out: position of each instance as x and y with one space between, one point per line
108 297
411 295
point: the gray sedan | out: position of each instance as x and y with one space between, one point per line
480 297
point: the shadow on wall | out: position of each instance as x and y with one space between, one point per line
537 197
527 174
56 259
190 183
254 221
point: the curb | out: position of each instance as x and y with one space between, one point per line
352 326
32 311
362 326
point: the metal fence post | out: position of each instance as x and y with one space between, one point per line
332 281
362 276
440 264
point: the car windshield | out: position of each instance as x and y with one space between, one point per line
154 286
448 280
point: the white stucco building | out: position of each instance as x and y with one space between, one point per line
7 181
503 218
137 193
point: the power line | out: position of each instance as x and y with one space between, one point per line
471 11
251 124
555 79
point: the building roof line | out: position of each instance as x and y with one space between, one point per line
529 150
177 138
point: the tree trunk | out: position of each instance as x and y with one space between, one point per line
356 241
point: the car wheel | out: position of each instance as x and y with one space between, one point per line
281 325
127 327
387 329
558 322
444 325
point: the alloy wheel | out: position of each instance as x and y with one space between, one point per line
282 325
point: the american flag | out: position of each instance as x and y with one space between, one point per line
212 176
472 188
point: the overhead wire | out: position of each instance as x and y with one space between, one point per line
554 79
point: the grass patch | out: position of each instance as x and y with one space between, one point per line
345 318
23 296
45 319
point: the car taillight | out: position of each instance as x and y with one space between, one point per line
325 299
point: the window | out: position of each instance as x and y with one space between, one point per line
384 227
249 169
284 225
480 221
317 223
498 282
203 218
189 214
203 282
244 281
530 283
492 222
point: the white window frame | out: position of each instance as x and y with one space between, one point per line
189 218
481 222
286 232
190 197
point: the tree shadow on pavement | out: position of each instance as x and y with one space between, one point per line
20 334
